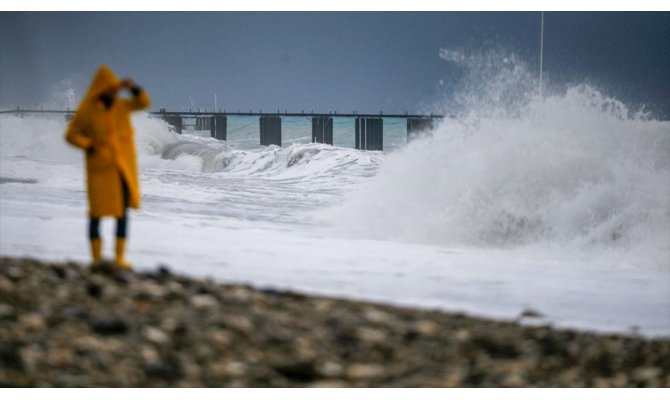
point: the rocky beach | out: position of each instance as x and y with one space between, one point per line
66 325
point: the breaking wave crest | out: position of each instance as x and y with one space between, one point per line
574 169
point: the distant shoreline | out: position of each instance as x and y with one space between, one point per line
63 325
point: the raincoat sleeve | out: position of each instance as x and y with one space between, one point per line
76 135
140 99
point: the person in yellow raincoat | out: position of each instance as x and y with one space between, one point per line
101 127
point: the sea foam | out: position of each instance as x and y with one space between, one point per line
574 169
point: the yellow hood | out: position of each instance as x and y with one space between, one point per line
103 79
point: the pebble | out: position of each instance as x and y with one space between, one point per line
191 371
174 288
10 356
61 357
453 378
202 301
371 335
331 369
62 293
240 323
6 285
620 380
163 271
323 306
109 326
60 272
32 321
229 368
162 370
12 272
87 343
155 335
304 348
6 310
93 289
364 371
513 380
169 324
374 315
221 337
298 370
150 290
30 355
426 327
330 383
149 355
463 335
75 312
241 293
647 373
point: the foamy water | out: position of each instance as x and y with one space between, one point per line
572 171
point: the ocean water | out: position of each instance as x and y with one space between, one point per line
559 204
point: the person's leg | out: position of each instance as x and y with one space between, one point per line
122 230
122 225
94 237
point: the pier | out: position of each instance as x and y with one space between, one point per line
368 128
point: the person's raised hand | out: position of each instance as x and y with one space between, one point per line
127 83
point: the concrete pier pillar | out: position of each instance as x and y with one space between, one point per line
415 126
270 127
369 134
322 130
219 127
357 137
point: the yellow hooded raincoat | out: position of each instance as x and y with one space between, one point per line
107 137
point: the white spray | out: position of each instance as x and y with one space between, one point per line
575 170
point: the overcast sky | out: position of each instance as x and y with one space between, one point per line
322 61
